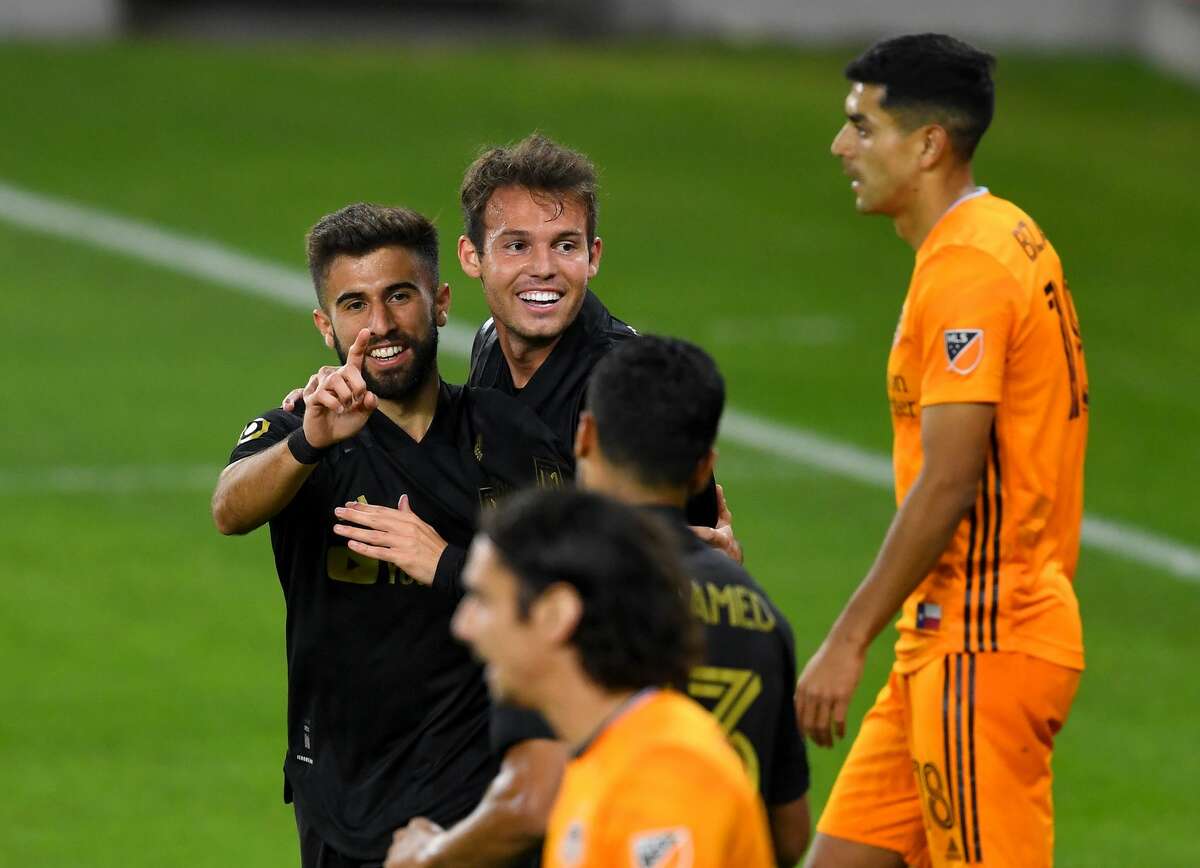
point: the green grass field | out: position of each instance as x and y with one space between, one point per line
143 653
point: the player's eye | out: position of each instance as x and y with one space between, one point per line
400 296
516 246
567 246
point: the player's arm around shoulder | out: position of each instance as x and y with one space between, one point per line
508 823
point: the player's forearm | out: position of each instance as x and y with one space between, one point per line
511 819
254 490
497 833
920 532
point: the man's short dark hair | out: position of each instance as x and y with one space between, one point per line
535 163
363 228
933 78
657 404
636 629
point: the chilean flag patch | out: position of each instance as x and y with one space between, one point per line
929 616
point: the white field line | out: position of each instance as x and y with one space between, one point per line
120 479
220 264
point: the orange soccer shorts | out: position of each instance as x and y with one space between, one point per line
952 763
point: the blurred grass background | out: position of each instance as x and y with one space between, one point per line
145 716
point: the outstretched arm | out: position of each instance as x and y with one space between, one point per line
954 440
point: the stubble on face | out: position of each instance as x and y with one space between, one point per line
402 383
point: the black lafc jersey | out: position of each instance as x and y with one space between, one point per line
557 391
746 679
387 712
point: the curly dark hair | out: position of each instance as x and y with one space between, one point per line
636 629
933 78
535 163
362 228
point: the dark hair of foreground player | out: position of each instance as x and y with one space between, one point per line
636 629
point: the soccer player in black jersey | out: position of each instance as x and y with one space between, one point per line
387 713
647 438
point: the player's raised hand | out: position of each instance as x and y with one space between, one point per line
395 536
721 537
293 397
339 403
824 691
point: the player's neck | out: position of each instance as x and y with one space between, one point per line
523 357
608 480
415 413
937 193
580 709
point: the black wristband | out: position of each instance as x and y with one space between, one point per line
302 450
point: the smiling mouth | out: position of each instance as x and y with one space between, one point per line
540 297
386 355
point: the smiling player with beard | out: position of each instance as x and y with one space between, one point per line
387 714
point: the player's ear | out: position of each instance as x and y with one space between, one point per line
324 326
594 256
557 612
468 258
935 145
585 435
441 304
703 472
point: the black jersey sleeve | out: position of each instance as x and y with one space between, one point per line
789 775
511 725
447 578
265 431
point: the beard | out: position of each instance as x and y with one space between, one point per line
400 384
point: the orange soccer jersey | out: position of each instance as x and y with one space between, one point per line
988 319
659 786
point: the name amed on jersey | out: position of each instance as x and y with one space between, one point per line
735 605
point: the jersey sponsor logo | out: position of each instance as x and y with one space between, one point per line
253 431
663 848
929 616
964 349
571 851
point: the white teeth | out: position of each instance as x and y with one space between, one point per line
386 352
540 296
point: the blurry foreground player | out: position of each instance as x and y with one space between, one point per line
579 607
989 397
387 714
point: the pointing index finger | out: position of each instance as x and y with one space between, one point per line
358 349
